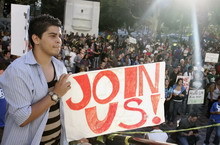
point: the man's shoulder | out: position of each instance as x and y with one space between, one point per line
215 104
18 63
183 122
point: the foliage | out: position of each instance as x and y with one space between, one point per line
54 7
120 13
175 16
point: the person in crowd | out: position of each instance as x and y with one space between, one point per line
212 76
173 75
68 64
3 66
178 94
86 62
78 59
189 72
189 137
34 106
179 73
167 75
72 57
102 65
213 119
168 97
136 60
97 53
182 65
6 57
157 134
127 60
213 93
59 57
177 55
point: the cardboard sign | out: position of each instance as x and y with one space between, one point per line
211 57
118 99
19 29
196 96
186 81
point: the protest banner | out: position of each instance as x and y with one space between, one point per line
19 29
186 81
196 96
211 57
118 99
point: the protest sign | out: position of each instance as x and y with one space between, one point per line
132 40
211 57
196 96
19 29
118 99
186 81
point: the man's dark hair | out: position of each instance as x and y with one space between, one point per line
39 25
193 114
179 79
190 67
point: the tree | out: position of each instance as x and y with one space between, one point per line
115 14
54 8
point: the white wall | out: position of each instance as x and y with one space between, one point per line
82 17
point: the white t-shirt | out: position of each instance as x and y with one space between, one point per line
160 136
72 57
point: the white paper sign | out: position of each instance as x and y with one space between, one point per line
118 99
196 96
211 57
132 40
19 29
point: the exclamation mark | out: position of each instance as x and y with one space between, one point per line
155 100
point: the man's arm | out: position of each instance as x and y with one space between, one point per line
19 89
37 109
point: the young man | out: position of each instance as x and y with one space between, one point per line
214 119
157 134
33 85
188 137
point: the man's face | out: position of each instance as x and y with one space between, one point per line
8 55
176 70
50 42
213 71
193 119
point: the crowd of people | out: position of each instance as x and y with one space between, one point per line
84 52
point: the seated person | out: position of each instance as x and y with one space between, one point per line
188 137
157 134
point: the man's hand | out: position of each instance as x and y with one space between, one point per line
190 133
62 86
